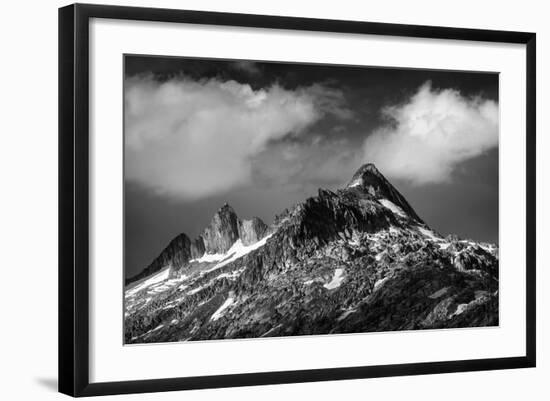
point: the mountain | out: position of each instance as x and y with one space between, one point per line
356 260
222 232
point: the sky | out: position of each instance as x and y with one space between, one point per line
263 136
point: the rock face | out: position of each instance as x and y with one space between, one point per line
355 260
251 231
370 180
197 248
175 255
222 232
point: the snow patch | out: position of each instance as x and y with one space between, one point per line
231 275
272 330
379 283
439 293
219 313
428 233
169 305
160 326
346 314
336 280
210 258
238 250
460 309
195 290
156 278
487 247
393 207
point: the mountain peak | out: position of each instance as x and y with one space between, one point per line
226 207
369 180
368 169
222 231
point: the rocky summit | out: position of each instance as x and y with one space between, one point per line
356 260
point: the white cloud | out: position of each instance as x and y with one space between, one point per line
431 133
191 139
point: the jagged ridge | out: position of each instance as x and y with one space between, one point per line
358 259
224 229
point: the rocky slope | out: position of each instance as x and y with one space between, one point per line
356 260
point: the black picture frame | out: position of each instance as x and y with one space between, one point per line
74 202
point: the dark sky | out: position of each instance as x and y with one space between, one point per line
263 136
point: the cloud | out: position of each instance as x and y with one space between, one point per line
430 134
192 139
307 165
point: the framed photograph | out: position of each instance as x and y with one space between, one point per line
250 199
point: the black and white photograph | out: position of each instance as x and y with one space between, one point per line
266 201
270 199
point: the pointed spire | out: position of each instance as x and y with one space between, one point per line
358 178
370 181
223 230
